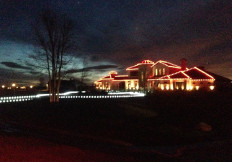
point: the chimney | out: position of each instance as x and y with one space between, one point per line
183 64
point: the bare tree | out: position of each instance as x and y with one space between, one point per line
55 38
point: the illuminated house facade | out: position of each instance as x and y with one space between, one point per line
160 75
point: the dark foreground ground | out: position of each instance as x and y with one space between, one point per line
161 126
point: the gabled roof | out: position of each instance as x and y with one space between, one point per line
105 78
196 73
121 77
136 67
111 76
179 75
166 63
193 73
124 77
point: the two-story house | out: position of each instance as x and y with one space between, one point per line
159 75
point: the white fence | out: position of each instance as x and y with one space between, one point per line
69 95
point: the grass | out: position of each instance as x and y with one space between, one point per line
159 119
17 149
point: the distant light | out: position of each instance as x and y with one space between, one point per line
197 87
162 87
191 88
23 87
171 87
13 85
3 86
31 86
211 87
182 87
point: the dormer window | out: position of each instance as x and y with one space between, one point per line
156 72
163 71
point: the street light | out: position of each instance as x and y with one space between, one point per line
31 86
3 86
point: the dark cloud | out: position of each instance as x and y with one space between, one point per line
29 64
93 68
222 47
163 31
126 32
35 73
8 76
15 65
205 21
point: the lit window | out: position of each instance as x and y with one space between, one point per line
211 87
141 76
156 72
163 71
162 87
171 87
160 72
182 87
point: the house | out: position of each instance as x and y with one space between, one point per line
159 75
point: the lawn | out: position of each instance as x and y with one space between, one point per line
17 149
160 119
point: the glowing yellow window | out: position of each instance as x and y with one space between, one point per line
160 72
141 76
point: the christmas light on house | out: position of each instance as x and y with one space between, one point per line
160 75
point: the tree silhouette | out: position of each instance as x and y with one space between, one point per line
54 37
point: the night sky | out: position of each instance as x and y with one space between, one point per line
115 34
